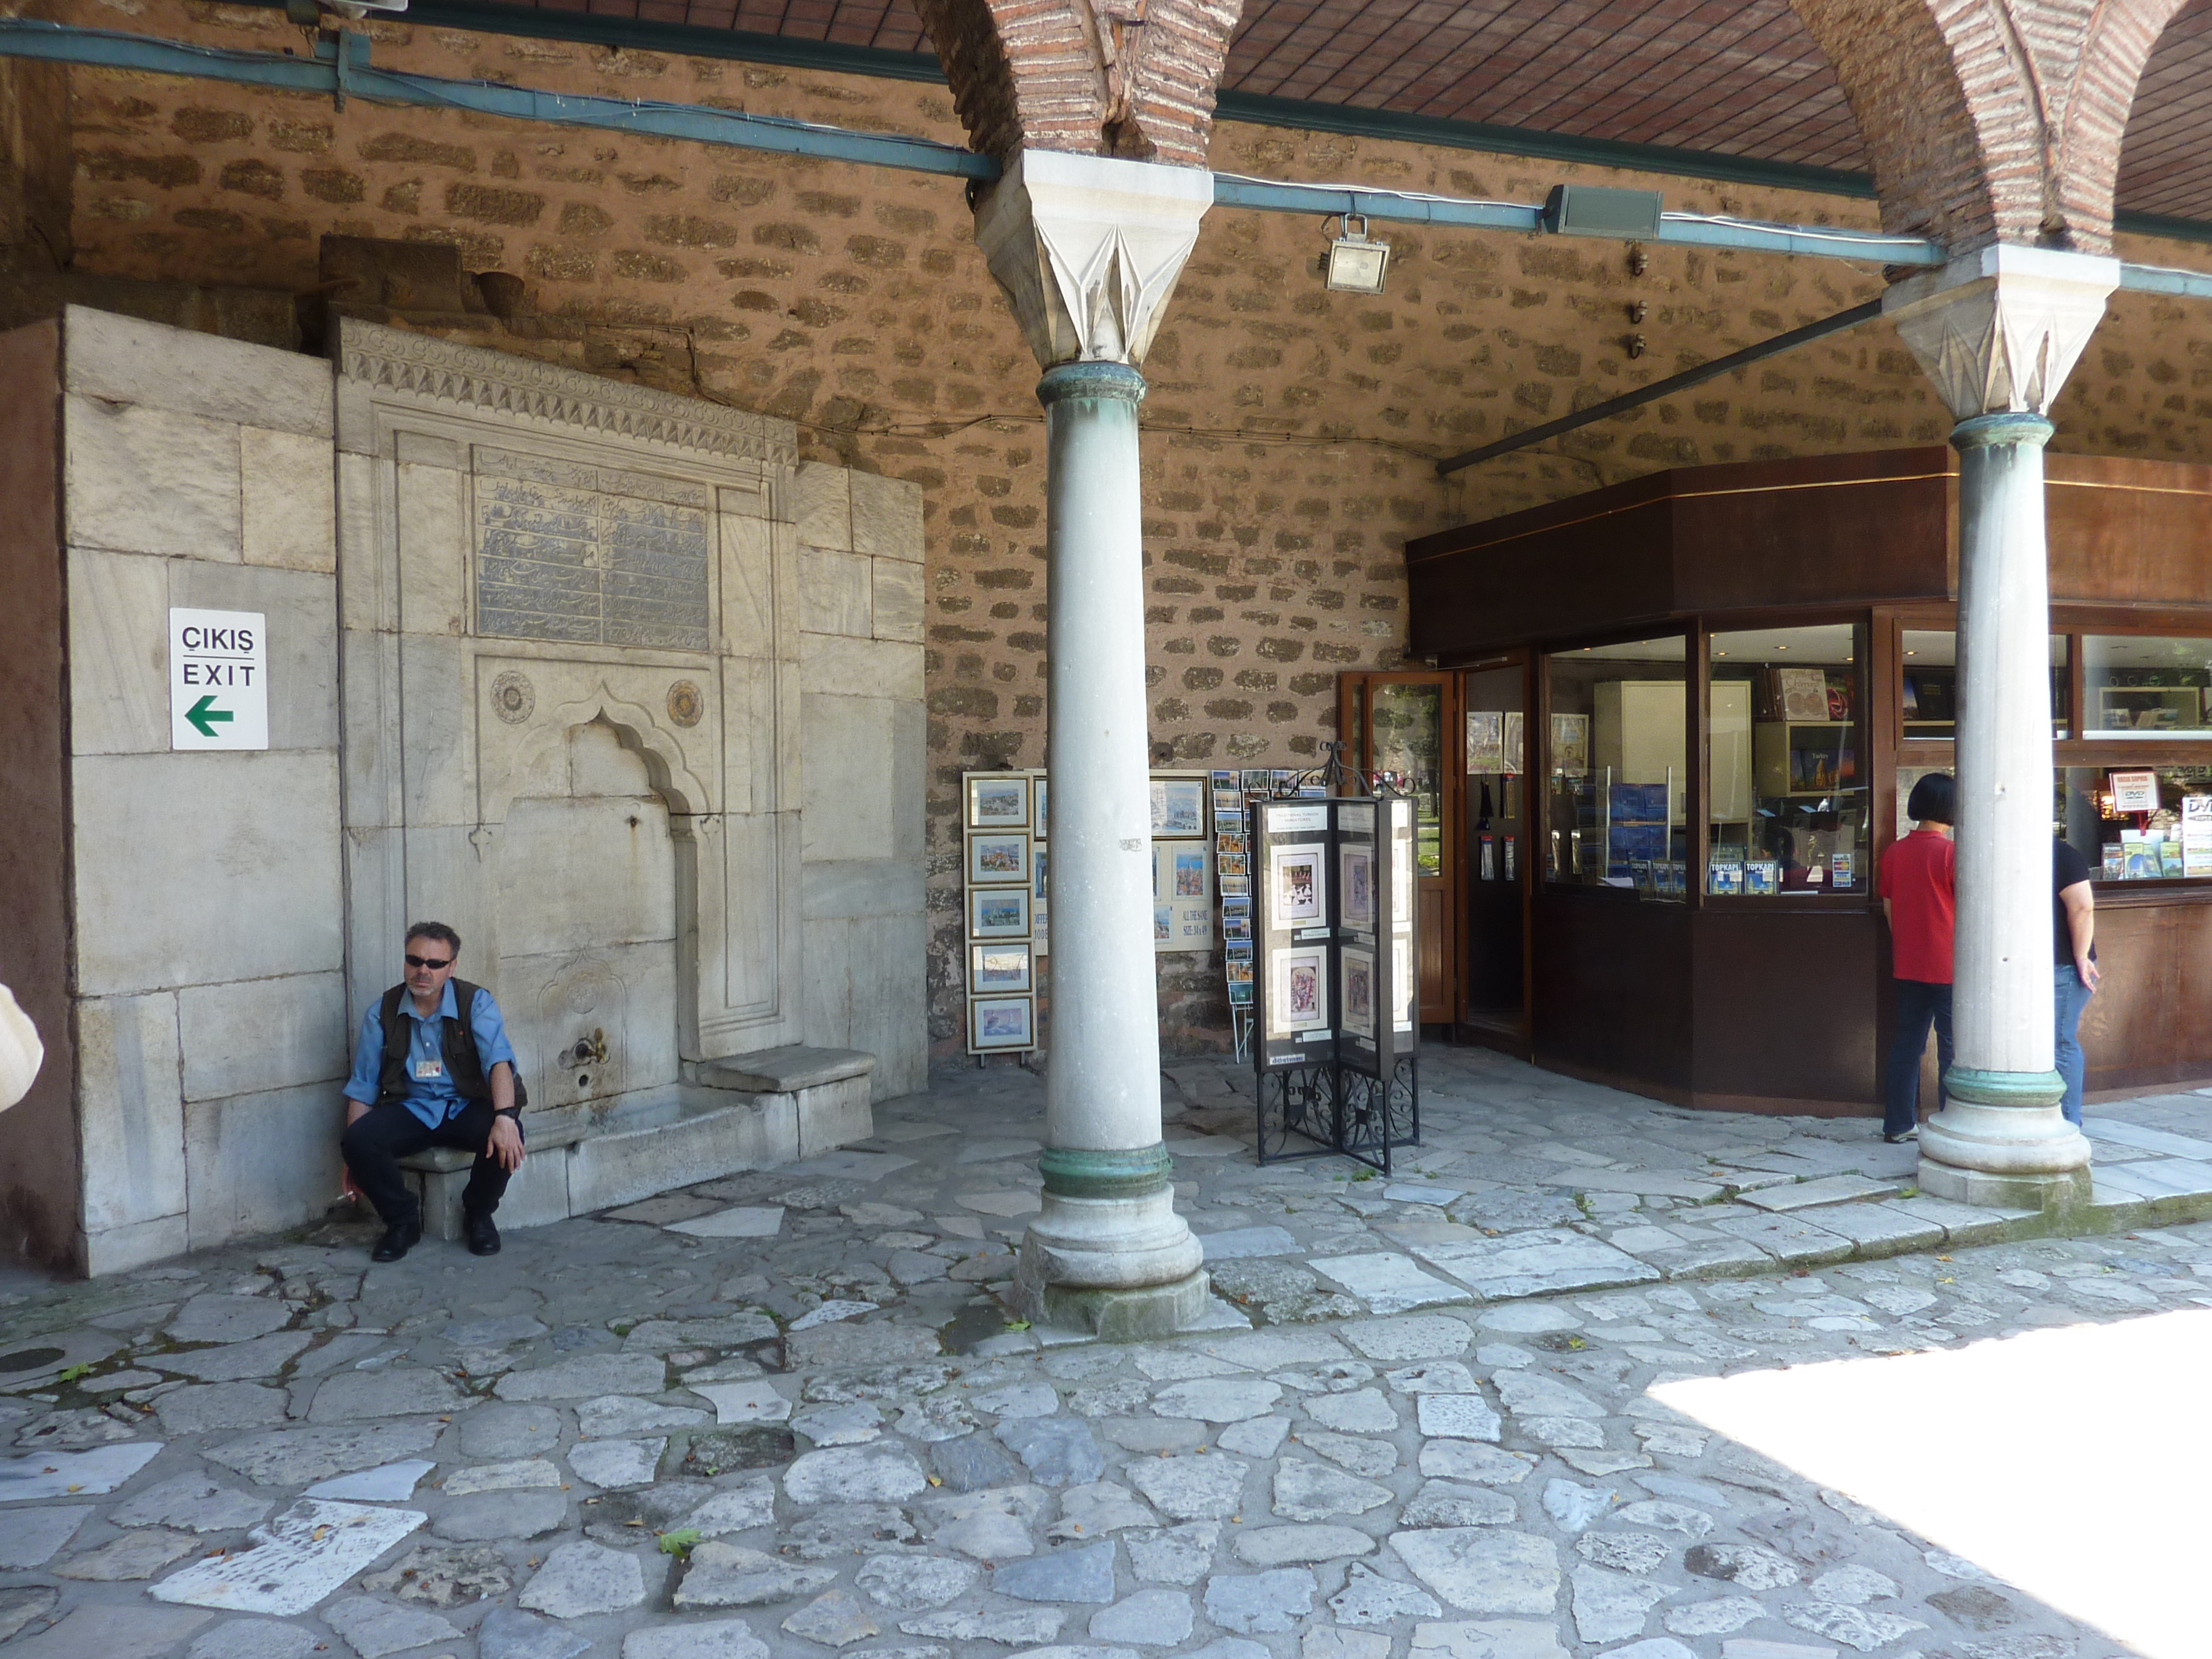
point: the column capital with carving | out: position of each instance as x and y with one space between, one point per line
1089 247
1999 330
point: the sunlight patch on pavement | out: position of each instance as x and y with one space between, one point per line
2071 1463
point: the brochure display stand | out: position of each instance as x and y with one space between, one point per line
1335 987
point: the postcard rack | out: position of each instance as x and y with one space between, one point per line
1336 987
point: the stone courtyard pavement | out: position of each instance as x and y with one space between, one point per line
781 1412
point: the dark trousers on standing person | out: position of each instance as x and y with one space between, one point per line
381 1136
1920 1004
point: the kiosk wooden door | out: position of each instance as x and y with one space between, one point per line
1408 725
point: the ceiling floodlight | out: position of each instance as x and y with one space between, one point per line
1356 264
309 13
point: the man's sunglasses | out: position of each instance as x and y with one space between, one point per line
429 962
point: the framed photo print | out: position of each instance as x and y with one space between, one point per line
998 803
1039 821
1570 743
996 1023
1486 740
1357 1005
1163 924
1356 891
1038 857
1190 873
1298 988
994 859
1178 806
998 969
1296 885
997 912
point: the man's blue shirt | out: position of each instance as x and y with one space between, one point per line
432 1099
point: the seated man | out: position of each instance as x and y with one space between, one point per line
424 1076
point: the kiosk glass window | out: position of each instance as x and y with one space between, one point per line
1786 769
2135 686
1616 769
1929 685
2136 823
1408 742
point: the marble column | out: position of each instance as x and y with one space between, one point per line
1998 332
1088 249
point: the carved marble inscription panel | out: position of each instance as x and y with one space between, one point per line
590 555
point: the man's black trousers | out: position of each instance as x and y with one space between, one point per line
383 1135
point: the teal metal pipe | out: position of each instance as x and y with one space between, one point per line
359 78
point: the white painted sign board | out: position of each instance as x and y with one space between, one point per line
218 679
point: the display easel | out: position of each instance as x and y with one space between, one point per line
1336 984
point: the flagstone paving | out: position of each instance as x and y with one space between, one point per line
783 1413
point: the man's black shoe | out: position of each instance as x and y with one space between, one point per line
483 1237
397 1241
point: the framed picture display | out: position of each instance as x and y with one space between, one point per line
999 970
1178 805
1356 887
997 912
995 859
1040 820
1298 980
998 802
1486 740
1570 743
998 1024
1297 883
1356 992
1039 857
1188 874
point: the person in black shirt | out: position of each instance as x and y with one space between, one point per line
2074 975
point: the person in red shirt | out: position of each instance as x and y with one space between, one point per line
1920 897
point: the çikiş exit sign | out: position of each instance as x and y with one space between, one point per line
218 679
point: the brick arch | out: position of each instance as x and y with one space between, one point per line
1128 78
1992 120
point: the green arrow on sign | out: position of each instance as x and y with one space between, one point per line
204 714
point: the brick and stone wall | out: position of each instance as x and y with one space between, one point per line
1291 431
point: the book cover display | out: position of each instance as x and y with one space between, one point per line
1337 995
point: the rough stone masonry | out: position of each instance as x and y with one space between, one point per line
1290 430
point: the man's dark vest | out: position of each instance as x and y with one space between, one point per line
464 1067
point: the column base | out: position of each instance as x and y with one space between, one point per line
2053 1194
1124 1267
1138 1316
2001 1141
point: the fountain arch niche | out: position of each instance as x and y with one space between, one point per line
618 671
585 919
